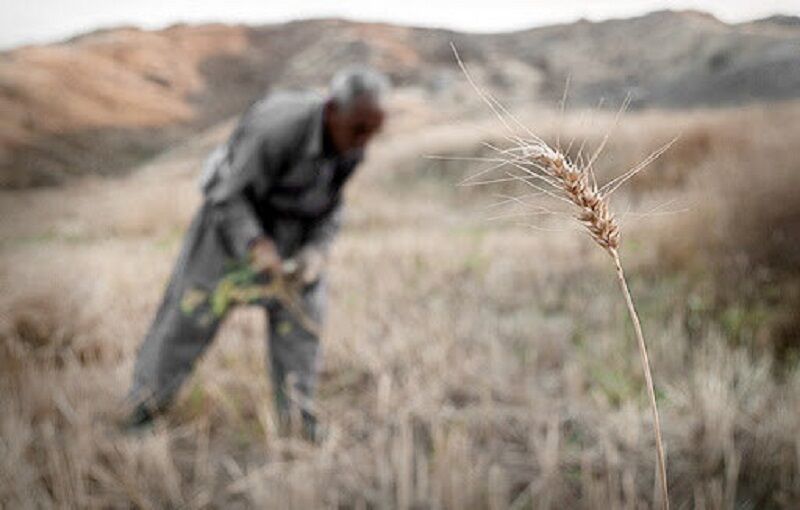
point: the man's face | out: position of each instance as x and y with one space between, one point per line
351 129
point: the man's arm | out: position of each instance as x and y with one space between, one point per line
238 225
249 163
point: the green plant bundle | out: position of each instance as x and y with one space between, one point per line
242 285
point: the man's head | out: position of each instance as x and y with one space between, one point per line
354 110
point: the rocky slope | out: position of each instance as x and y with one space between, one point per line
101 102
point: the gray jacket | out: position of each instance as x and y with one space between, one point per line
273 177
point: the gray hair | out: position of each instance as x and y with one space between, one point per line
352 83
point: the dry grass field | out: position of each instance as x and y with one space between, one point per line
469 362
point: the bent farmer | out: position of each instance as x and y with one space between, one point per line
272 201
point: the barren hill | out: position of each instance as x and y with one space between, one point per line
101 102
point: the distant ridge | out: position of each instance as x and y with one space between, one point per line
103 101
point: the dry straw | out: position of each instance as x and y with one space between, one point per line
553 175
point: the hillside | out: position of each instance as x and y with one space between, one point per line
102 102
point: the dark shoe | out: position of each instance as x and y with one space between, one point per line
141 419
307 427
311 428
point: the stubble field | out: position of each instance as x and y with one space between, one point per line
469 362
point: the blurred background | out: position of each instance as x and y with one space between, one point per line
471 361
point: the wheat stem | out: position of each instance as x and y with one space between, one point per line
648 377
573 182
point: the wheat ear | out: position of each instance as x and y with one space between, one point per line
553 175
594 214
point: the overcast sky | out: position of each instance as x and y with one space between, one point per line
31 21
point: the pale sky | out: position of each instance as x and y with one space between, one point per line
34 21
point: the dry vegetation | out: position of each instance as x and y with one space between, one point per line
468 363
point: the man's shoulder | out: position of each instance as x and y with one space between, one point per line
296 98
288 106
284 118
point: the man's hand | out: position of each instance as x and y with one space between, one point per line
264 256
311 262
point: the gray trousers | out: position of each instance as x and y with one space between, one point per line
176 339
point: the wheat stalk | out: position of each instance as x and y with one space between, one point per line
553 175
594 214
